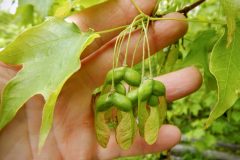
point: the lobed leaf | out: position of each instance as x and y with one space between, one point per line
225 66
199 52
171 59
43 7
231 9
49 54
90 3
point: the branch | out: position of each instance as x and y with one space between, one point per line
186 9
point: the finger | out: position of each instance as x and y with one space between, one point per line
181 83
108 15
168 137
161 34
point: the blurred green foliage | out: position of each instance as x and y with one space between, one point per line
190 113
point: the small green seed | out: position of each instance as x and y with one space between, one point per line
158 88
133 96
117 75
145 90
153 101
103 103
122 102
120 88
132 77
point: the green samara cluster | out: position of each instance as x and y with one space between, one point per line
127 103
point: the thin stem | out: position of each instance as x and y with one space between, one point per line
143 56
129 37
186 9
185 20
156 8
114 58
148 47
135 49
116 48
120 45
159 19
136 6
112 29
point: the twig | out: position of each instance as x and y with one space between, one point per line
186 9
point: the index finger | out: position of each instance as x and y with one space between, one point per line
108 15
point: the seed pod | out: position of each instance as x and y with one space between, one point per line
103 103
133 96
117 75
158 88
122 102
120 88
145 90
153 101
132 77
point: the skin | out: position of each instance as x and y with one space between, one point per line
72 135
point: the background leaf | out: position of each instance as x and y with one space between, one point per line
231 9
225 67
25 15
199 51
89 3
41 6
50 54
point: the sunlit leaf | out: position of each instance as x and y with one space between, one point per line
50 54
172 58
198 55
24 15
231 9
225 66
89 3
41 6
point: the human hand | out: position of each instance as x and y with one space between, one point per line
72 136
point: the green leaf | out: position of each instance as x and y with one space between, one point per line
231 9
225 66
41 6
172 58
24 15
63 10
50 54
90 3
199 52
